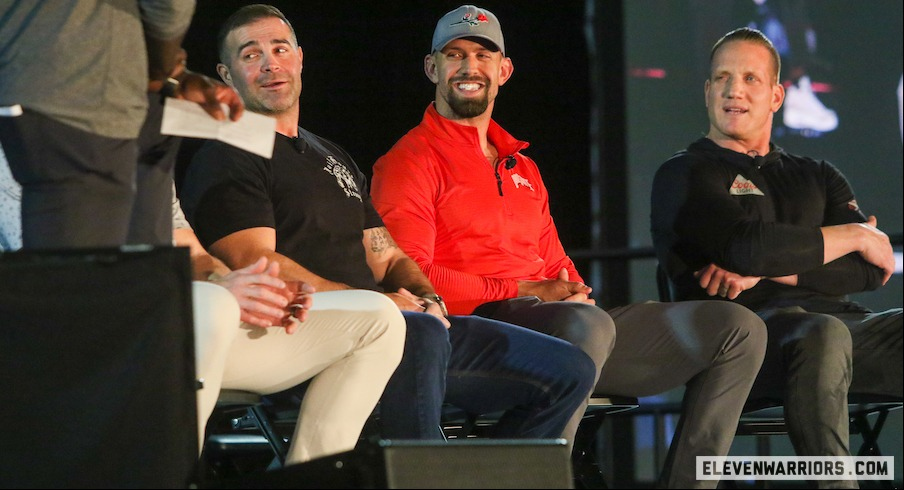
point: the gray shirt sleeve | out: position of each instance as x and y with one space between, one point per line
166 19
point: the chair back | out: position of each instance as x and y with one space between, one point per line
664 285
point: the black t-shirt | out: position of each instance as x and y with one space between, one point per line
311 192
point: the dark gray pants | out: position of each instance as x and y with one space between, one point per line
713 348
813 360
77 187
84 190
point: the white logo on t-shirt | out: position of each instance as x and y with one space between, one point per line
343 177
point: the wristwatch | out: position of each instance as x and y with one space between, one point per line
438 300
170 87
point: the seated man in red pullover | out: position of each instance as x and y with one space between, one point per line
461 199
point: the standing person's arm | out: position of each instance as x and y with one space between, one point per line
165 24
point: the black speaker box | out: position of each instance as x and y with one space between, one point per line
467 463
97 376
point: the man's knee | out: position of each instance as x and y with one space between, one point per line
575 372
585 373
818 336
741 327
216 312
588 327
810 330
426 335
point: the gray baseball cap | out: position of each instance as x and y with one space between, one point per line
468 21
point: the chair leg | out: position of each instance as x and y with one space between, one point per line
460 429
275 440
870 446
870 434
584 461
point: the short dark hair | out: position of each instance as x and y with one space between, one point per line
752 35
244 16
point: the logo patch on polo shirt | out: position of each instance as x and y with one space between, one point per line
744 187
521 181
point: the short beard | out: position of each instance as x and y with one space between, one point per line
260 104
467 109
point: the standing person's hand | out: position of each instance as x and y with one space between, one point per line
210 94
207 92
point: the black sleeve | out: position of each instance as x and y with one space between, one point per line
226 190
848 274
691 203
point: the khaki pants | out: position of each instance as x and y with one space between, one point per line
350 344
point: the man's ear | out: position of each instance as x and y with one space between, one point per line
706 88
223 71
506 68
430 68
778 96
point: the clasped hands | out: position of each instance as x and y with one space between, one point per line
558 289
265 299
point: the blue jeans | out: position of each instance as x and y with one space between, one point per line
482 366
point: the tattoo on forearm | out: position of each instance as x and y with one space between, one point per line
381 240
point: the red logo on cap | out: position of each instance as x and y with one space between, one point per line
467 20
